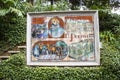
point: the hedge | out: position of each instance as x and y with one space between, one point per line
15 68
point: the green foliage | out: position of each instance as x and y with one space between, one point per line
17 33
15 68
108 21
107 36
110 59
117 30
91 4
3 12
12 23
109 28
8 6
41 5
15 7
97 4
12 32
62 5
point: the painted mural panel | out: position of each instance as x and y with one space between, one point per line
63 38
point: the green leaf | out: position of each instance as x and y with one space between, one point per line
16 11
3 12
9 2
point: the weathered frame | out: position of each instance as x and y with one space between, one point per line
93 13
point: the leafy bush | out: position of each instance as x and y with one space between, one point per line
107 36
15 68
41 5
108 21
12 23
110 59
12 32
17 32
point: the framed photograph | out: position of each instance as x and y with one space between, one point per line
64 38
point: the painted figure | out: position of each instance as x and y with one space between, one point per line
53 49
59 52
56 30
39 31
36 51
44 50
61 49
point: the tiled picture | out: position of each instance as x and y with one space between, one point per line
68 38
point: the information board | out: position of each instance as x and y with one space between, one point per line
64 38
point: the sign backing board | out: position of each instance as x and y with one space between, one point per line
64 38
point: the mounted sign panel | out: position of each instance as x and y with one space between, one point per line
69 38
